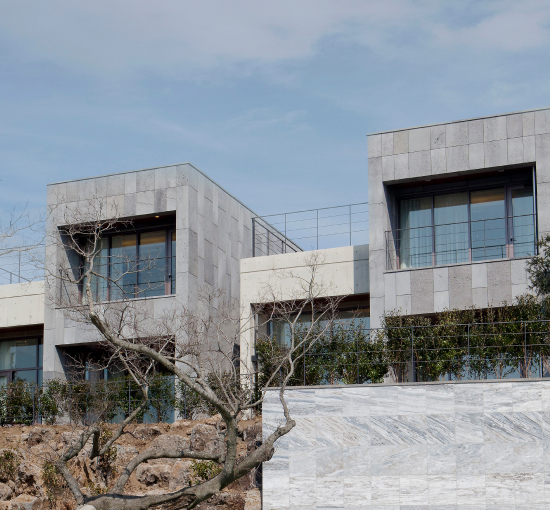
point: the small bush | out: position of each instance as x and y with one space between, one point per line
9 462
54 484
204 470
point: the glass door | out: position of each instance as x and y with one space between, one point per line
521 222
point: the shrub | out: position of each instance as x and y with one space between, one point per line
9 462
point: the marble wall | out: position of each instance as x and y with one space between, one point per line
436 446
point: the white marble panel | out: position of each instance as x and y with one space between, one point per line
385 490
413 490
440 399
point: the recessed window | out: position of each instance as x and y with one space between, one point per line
21 359
450 228
135 265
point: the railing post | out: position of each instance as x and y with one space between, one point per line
317 228
350 225
412 356
253 237
285 235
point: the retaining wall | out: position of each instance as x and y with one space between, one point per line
460 446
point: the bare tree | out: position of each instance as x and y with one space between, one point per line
193 341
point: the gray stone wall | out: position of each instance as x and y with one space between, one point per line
441 446
213 232
452 149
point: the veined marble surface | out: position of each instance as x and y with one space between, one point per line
446 446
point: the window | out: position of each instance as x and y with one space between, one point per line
21 359
136 265
482 224
280 330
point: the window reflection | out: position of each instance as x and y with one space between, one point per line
488 224
478 225
280 331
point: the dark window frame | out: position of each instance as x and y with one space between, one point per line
468 188
9 372
169 277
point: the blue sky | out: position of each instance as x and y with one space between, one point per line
271 99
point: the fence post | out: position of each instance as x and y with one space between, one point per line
469 350
304 364
185 400
525 349
317 228
33 406
412 355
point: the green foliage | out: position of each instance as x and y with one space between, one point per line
189 403
9 462
17 400
348 354
538 267
204 470
53 482
106 463
510 340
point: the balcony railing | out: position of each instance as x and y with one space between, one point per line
21 264
313 229
119 278
468 241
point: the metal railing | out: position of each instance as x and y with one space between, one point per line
21 264
466 241
475 351
125 277
312 229
27 403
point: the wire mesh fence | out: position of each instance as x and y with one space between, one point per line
496 350
89 401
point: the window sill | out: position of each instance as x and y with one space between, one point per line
455 265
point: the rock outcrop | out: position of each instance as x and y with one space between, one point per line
24 487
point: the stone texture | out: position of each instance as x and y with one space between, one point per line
438 446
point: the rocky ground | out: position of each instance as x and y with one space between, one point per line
26 450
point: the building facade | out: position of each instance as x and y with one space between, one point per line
454 212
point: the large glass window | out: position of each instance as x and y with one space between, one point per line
451 228
135 265
415 234
488 224
21 359
523 222
280 330
477 225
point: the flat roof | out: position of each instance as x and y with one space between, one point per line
155 168
456 121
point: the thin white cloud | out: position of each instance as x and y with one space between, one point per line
118 38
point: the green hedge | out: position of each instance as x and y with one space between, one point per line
459 344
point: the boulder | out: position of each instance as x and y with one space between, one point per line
28 474
153 474
253 500
5 491
179 476
26 502
148 432
39 435
204 438
169 442
227 500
